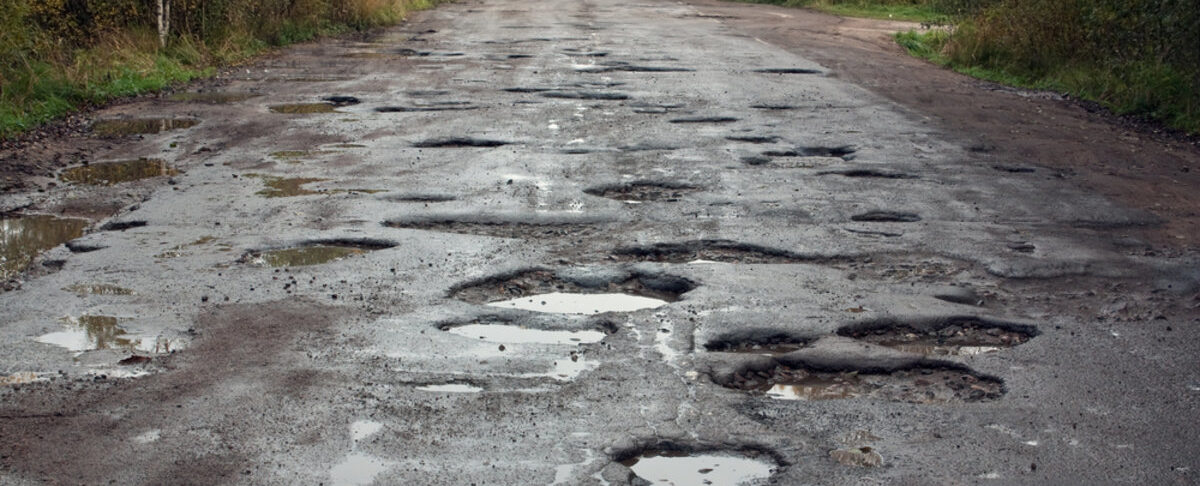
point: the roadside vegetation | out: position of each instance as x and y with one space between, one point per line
56 55
1135 57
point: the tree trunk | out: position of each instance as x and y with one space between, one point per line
163 11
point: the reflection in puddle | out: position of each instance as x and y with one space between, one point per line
361 429
833 387
356 469
117 128
451 388
97 289
933 349
498 333
308 255
110 173
680 469
913 385
23 238
215 97
89 333
280 187
566 303
304 108
962 337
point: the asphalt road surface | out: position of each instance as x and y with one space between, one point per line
592 242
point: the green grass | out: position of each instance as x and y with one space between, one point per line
866 9
1143 88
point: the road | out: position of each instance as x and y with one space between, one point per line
586 243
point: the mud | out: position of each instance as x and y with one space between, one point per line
921 385
304 108
946 337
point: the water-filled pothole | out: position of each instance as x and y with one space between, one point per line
24 237
304 108
88 333
586 95
956 336
684 467
141 126
286 187
213 97
753 138
514 334
704 119
757 341
842 151
313 253
788 71
97 289
922 384
459 142
451 388
643 191
501 229
870 173
725 251
883 216
110 173
575 290
443 105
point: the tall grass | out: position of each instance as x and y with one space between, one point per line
56 55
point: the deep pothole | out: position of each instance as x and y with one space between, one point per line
841 151
502 228
704 119
459 142
110 173
954 336
885 216
643 191
314 252
870 173
788 70
575 290
96 332
531 331
757 341
23 238
304 108
932 383
703 251
140 126
669 463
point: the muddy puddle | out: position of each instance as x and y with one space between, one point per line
511 334
501 229
958 337
212 97
140 126
886 217
914 385
286 187
696 468
304 108
97 289
89 333
767 342
314 252
575 291
643 191
291 155
451 388
110 173
23 238
721 251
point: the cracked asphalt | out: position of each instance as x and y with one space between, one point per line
838 289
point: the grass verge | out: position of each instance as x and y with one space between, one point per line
867 9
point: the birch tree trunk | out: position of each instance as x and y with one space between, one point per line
163 11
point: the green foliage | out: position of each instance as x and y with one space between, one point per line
58 54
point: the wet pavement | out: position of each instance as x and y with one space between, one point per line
599 241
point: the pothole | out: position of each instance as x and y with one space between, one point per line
956 336
870 173
90 333
211 97
817 151
340 100
141 126
773 106
757 341
700 251
422 198
508 333
922 384
450 388
285 187
586 95
654 108
501 229
457 142
693 467
886 217
110 173
643 191
704 119
431 106
629 68
23 238
575 291
753 138
97 289
123 225
788 71
314 252
296 155
304 108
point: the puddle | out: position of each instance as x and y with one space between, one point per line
686 469
300 154
773 106
357 469
420 197
304 108
870 173
886 217
955 337
291 187
457 142
586 95
451 388
788 71
567 303
753 138
704 119
844 152
720 251
309 255
914 385
576 291
141 126
212 97
500 333
97 289
766 342
23 238
502 229
361 429
89 333
643 191
110 173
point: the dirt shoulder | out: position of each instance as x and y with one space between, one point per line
1127 162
